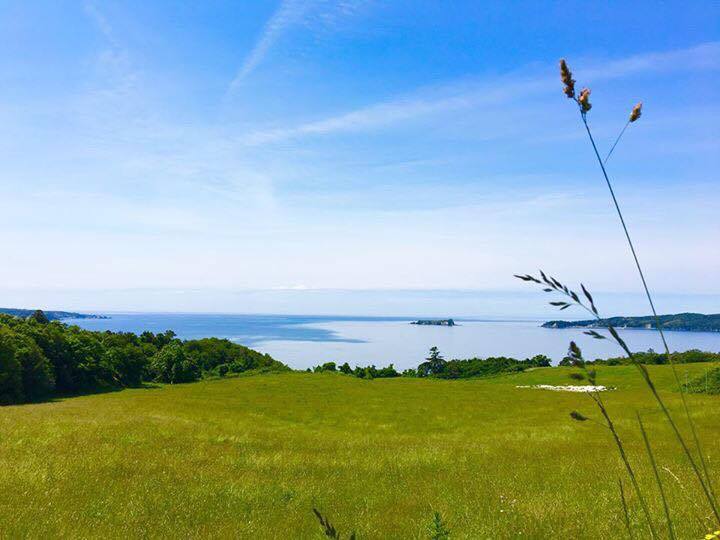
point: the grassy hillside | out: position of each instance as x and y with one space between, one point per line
250 456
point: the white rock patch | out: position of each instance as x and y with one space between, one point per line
569 388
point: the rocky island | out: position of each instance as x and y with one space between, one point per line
686 322
435 322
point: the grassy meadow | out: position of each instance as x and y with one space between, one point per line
251 456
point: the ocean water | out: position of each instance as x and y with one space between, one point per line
305 341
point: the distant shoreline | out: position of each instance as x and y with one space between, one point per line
51 315
681 322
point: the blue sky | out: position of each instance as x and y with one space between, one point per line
356 144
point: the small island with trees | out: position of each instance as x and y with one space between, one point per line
435 322
686 322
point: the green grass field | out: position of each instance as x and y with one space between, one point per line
251 456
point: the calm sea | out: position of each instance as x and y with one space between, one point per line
304 341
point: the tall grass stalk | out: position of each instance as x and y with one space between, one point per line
617 140
651 457
626 514
631 473
690 500
328 529
578 361
553 285
704 476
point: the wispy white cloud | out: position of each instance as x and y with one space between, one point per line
447 98
467 93
144 192
101 22
117 76
290 13
332 13
287 14
705 56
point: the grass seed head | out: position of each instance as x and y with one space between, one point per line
567 80
636 112
574 351
584 100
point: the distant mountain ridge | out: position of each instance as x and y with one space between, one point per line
51 315
686 322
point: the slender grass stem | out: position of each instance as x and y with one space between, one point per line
651 456
622 132
704 477
705 522
626 514
648 381
551 284
626 461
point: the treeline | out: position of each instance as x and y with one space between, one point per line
362 372
436 366
40 358
651 357
690 322
489 367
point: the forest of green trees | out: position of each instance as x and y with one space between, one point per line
41 358
436 366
